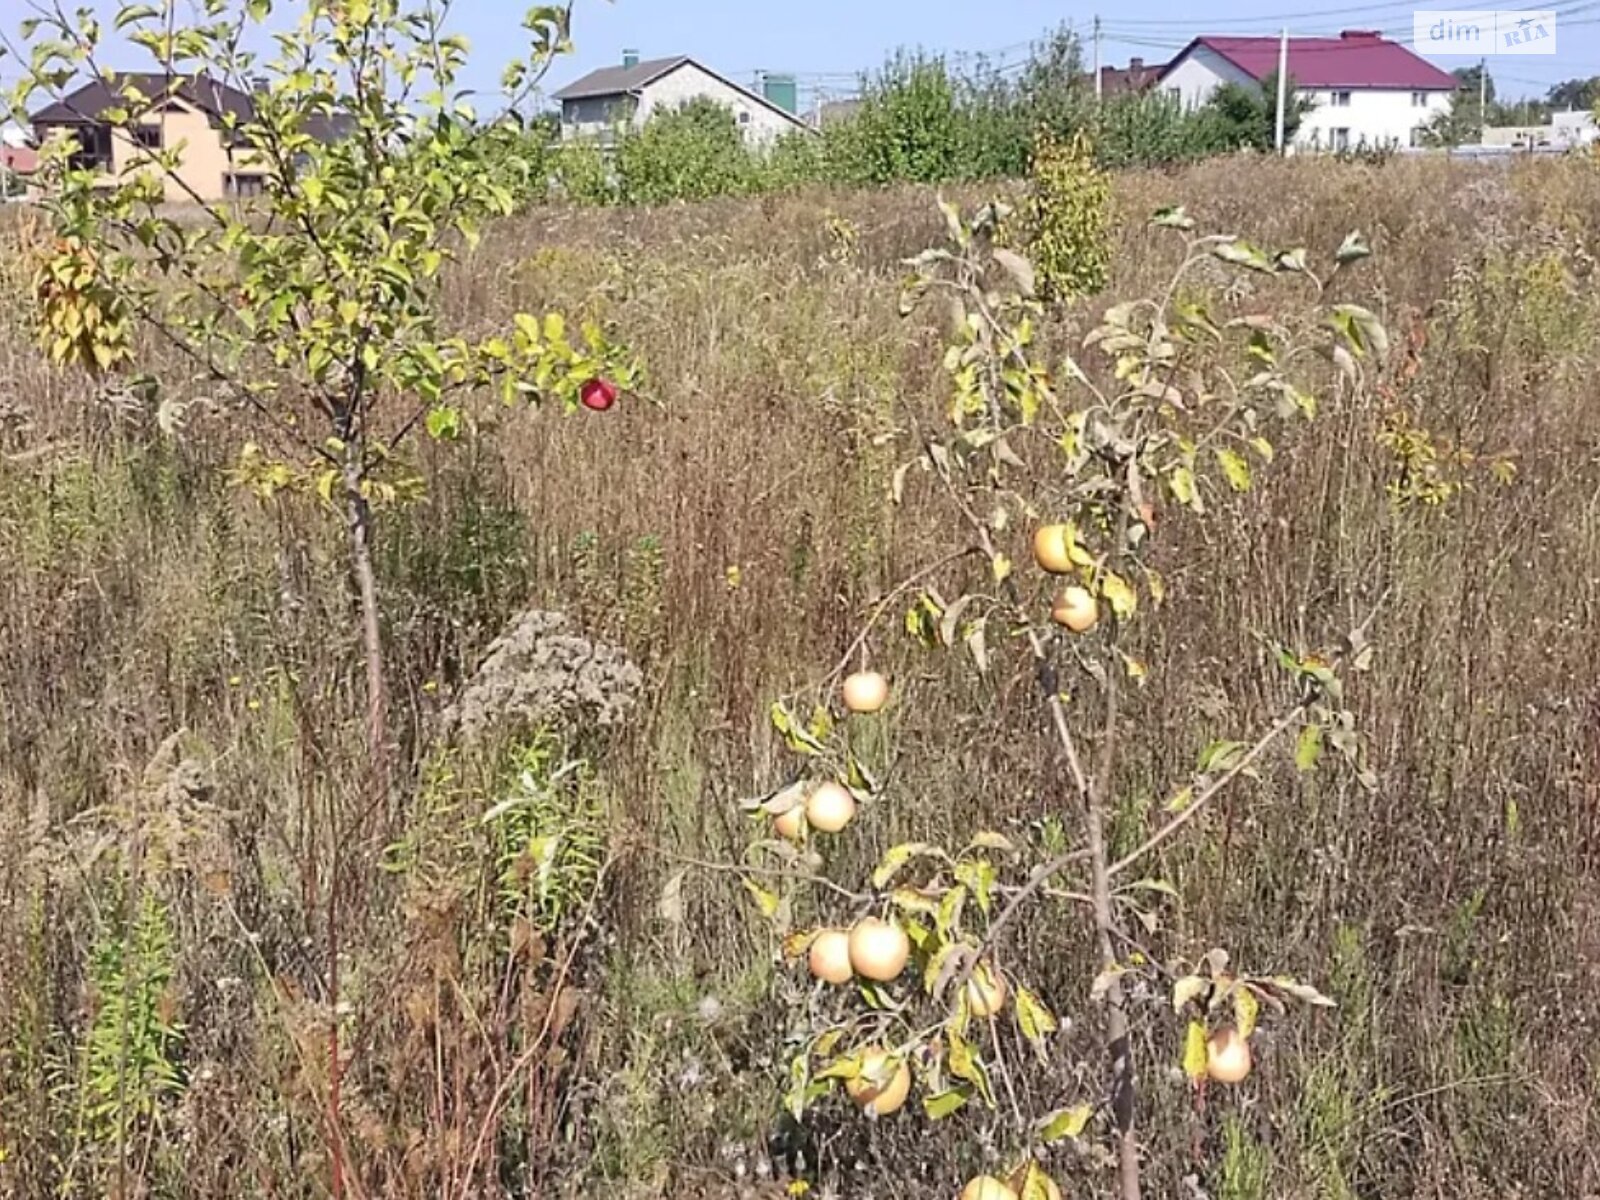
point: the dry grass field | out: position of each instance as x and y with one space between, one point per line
161 900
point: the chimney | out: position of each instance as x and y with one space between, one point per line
1135 65
630 58
1361 34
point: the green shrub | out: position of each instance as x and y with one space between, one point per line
579 173
1066 219
690 153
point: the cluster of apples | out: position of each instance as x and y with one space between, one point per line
1074 607
830 806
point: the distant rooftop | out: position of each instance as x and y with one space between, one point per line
1357 58
618 81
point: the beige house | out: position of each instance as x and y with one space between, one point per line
185 112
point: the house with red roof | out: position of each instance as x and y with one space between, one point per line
1364 91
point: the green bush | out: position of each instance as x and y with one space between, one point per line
1066 218
579 173
690 153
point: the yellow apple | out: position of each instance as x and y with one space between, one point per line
866 692
881 1099
1227 1056
878 949
830 807
1076 609
829 958
1051 549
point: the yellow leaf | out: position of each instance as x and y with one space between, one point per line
1246 1010
1065 1123
766 899
1194 1051
1122 598
1035 1020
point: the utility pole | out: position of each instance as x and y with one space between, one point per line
1283 84
1483 99
1097 86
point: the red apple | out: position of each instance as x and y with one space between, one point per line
598 394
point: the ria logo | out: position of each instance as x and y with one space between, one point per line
1484 31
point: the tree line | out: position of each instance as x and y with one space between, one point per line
920 119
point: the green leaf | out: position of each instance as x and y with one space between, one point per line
1220 756
1035 1020
1308 747
1292 260
444 424
1065 1123
846 1066
1262 447
1172 217
800 738
895 858
1181 481
950 620
1352 249
943 1104
949 917
130 14
967 1066
979 876
989 840
1194 1051
1244 254
1235 468
766 899
1361 329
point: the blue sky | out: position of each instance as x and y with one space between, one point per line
826 41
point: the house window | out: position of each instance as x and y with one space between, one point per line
243 187
744 118
94 148
147 137
1339 139
1341 99
1419 99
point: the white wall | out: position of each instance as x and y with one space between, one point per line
1199 74
686 82
1573 129
1375 118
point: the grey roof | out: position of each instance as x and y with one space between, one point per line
619 81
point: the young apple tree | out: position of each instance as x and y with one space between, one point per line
307 316
911 970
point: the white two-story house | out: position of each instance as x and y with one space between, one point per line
1364 91
596 105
